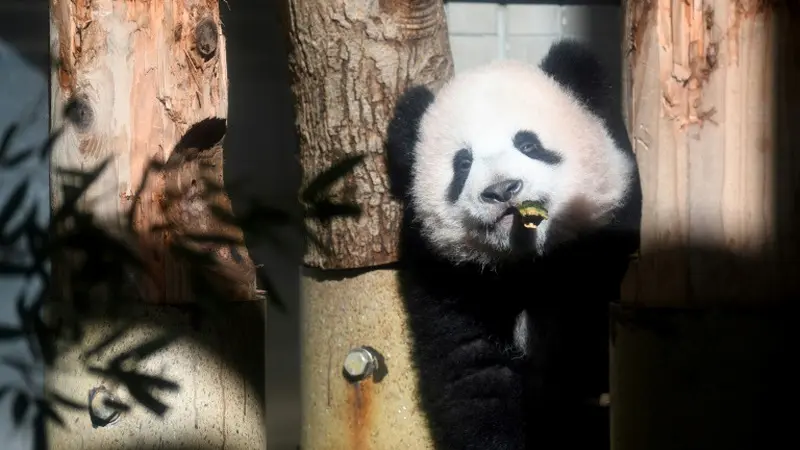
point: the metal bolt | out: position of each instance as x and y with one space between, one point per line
359 364
100 413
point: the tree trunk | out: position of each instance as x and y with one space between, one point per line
710 96
350 61
147 80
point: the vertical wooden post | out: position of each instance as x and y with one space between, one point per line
710 98
146 80
350 61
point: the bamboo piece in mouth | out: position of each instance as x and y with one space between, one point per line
532 213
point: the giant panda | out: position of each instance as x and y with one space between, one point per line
509 325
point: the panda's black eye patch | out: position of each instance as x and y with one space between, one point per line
529 144
462 163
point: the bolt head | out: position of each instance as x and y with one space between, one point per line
98 411
359 363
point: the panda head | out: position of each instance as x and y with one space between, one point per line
500 134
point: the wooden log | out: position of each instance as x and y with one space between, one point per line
144 81
709 92
699 357
350 61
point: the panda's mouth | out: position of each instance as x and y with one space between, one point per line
528 214
510 211
506 215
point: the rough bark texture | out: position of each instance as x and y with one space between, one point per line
140 76
711 94
350 61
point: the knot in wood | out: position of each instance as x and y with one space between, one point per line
78 112
205 36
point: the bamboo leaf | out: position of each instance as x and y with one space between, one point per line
323 181
5 143
48 145
13 161
107 342
4 390
20 407
147 348
72 404
13 204
48 412
8 333
118 406
324 210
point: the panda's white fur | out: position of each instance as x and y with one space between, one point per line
482 109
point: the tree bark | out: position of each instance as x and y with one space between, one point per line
711 99
350 61
147 80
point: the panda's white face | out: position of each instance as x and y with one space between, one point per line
501 134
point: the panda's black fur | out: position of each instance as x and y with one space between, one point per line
477 388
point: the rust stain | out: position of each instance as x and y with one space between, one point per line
360 404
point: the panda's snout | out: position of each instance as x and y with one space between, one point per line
502 191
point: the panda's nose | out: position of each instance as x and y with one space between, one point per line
502 191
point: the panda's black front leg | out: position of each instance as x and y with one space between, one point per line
567 358
557 393
471 385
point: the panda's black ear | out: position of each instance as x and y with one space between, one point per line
402 135
573 65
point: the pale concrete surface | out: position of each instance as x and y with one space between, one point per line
338 315
219 365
